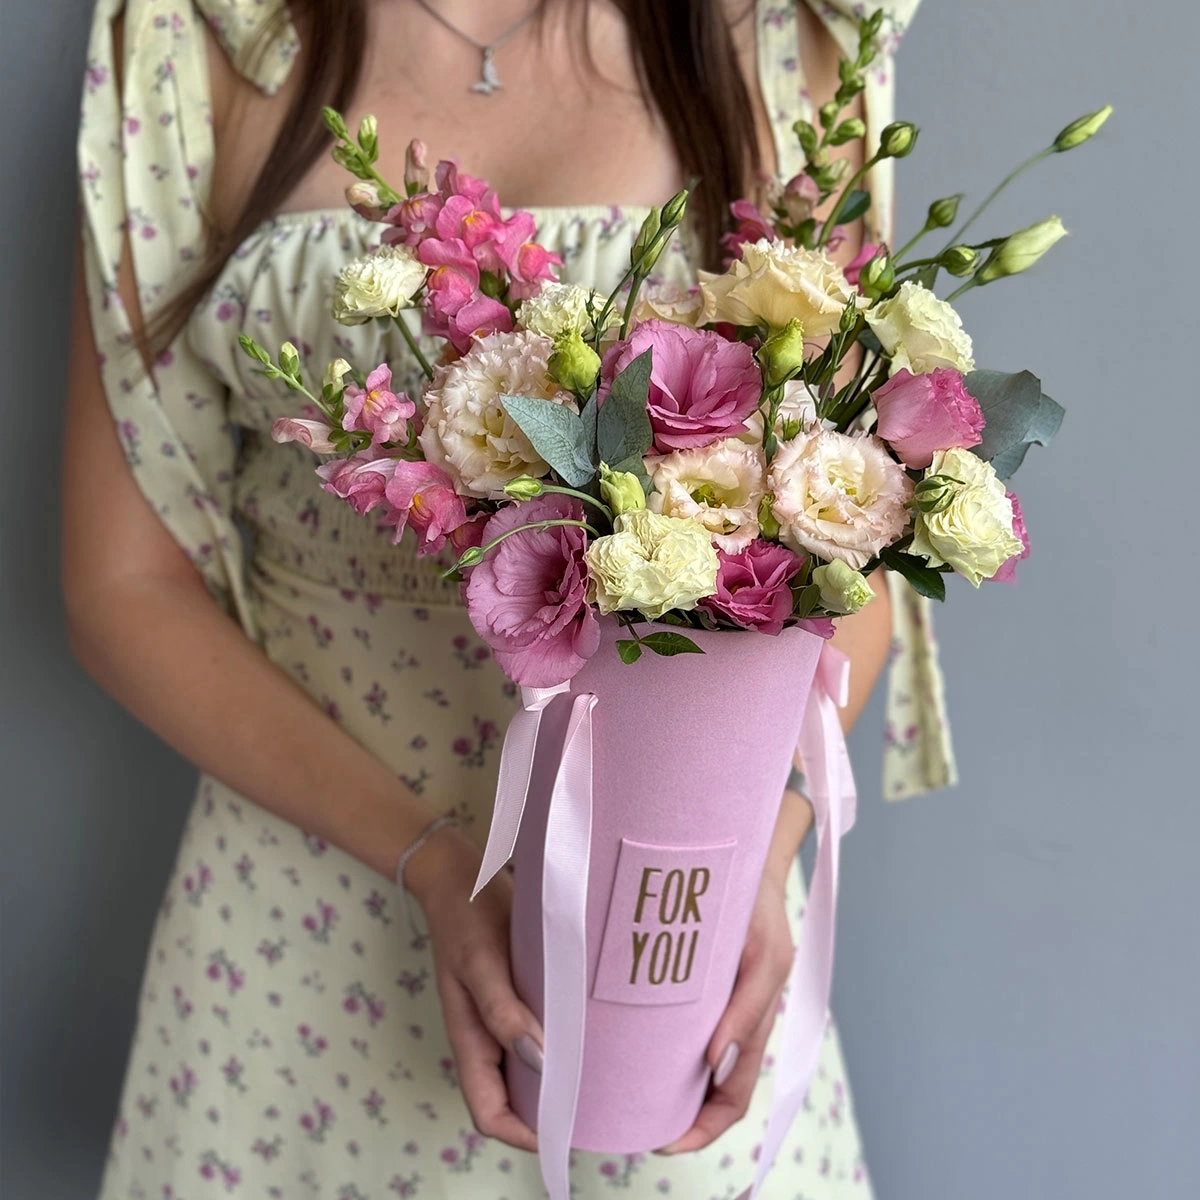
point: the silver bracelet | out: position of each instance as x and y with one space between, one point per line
432 828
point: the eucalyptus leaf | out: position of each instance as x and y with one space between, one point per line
588 415
556 433
629 650
670 644
1010 403
622 423
1005 464
856 204
924 579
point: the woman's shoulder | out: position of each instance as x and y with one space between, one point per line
841 18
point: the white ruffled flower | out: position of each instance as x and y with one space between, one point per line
557 309
974 532
720 486
668 302
467 431
921 332
378 285
838 496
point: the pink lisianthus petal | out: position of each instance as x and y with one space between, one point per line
1008 570
528 597
753 586
313 434
823 627
702 387
425 495
751 227
361 480
922 414
854 269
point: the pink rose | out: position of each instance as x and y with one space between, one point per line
1008 570
376 409
854 269
360 480
528 598
422 496
752 586
702 387
921 414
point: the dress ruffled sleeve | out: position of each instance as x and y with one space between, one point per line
918 752
145 163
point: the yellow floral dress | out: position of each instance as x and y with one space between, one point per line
289 1040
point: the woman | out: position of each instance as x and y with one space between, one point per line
294 1037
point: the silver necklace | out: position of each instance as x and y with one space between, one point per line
489 81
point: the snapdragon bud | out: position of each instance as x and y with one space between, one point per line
827 113
878 275
363 196
289 359
809 138
1020 251
621 490
1080 130
943 212
524 487
935 493
573 364
897 140
335 123
334 375
251 347
416 167
958 260
782 354
368 137
848 131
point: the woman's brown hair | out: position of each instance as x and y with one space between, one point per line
687 68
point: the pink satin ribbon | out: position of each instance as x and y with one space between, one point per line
822 749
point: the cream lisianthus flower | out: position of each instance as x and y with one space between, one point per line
651 563
974 532
772 284
467 431
668 302
378 285
720 486
838 496
920 332
843 589
557 309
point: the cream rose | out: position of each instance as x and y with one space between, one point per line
720 486
974 533
838 496
467 431
772 284
378 285
557 309
921 332
668 302
652 563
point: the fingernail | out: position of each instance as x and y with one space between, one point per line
529 1052
725 1065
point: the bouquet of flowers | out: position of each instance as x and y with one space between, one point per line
640 475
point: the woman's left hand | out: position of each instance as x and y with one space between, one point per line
736 1050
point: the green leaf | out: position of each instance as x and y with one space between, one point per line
556 433
1009 402
629 651
622 423
927 276
856 204
670 644
589 415
924 579
807 601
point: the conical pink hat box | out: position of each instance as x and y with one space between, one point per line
690 759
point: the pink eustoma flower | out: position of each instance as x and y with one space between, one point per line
751 227
528 597
702 387
922 414
360 480
752 586
1008 570
422 496
376 409
313 434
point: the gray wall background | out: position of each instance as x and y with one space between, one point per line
1018 983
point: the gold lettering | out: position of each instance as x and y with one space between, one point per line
639 944
673 877
687 974
695 889
662 942
644 893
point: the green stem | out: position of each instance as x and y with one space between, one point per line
966 287
912 241
1029 162
412 345
538 526
831 221
627 316
566 491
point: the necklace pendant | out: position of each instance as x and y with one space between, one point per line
489 81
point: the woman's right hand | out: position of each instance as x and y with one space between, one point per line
483 1014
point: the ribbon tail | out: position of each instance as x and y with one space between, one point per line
564 941
822 749
512 786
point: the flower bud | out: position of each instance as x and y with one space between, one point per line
641 246
335 123
416 168
958 260
524 487
1079 131
878 275
363 196
251 347
848 131
335 373
843 589
1020 251
943 212
782 354
809 138
897 140
936 492
573 364
799 198
827 113
471 557
673 210
768 526
368 136
289 359
621 490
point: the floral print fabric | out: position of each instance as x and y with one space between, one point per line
289 1040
